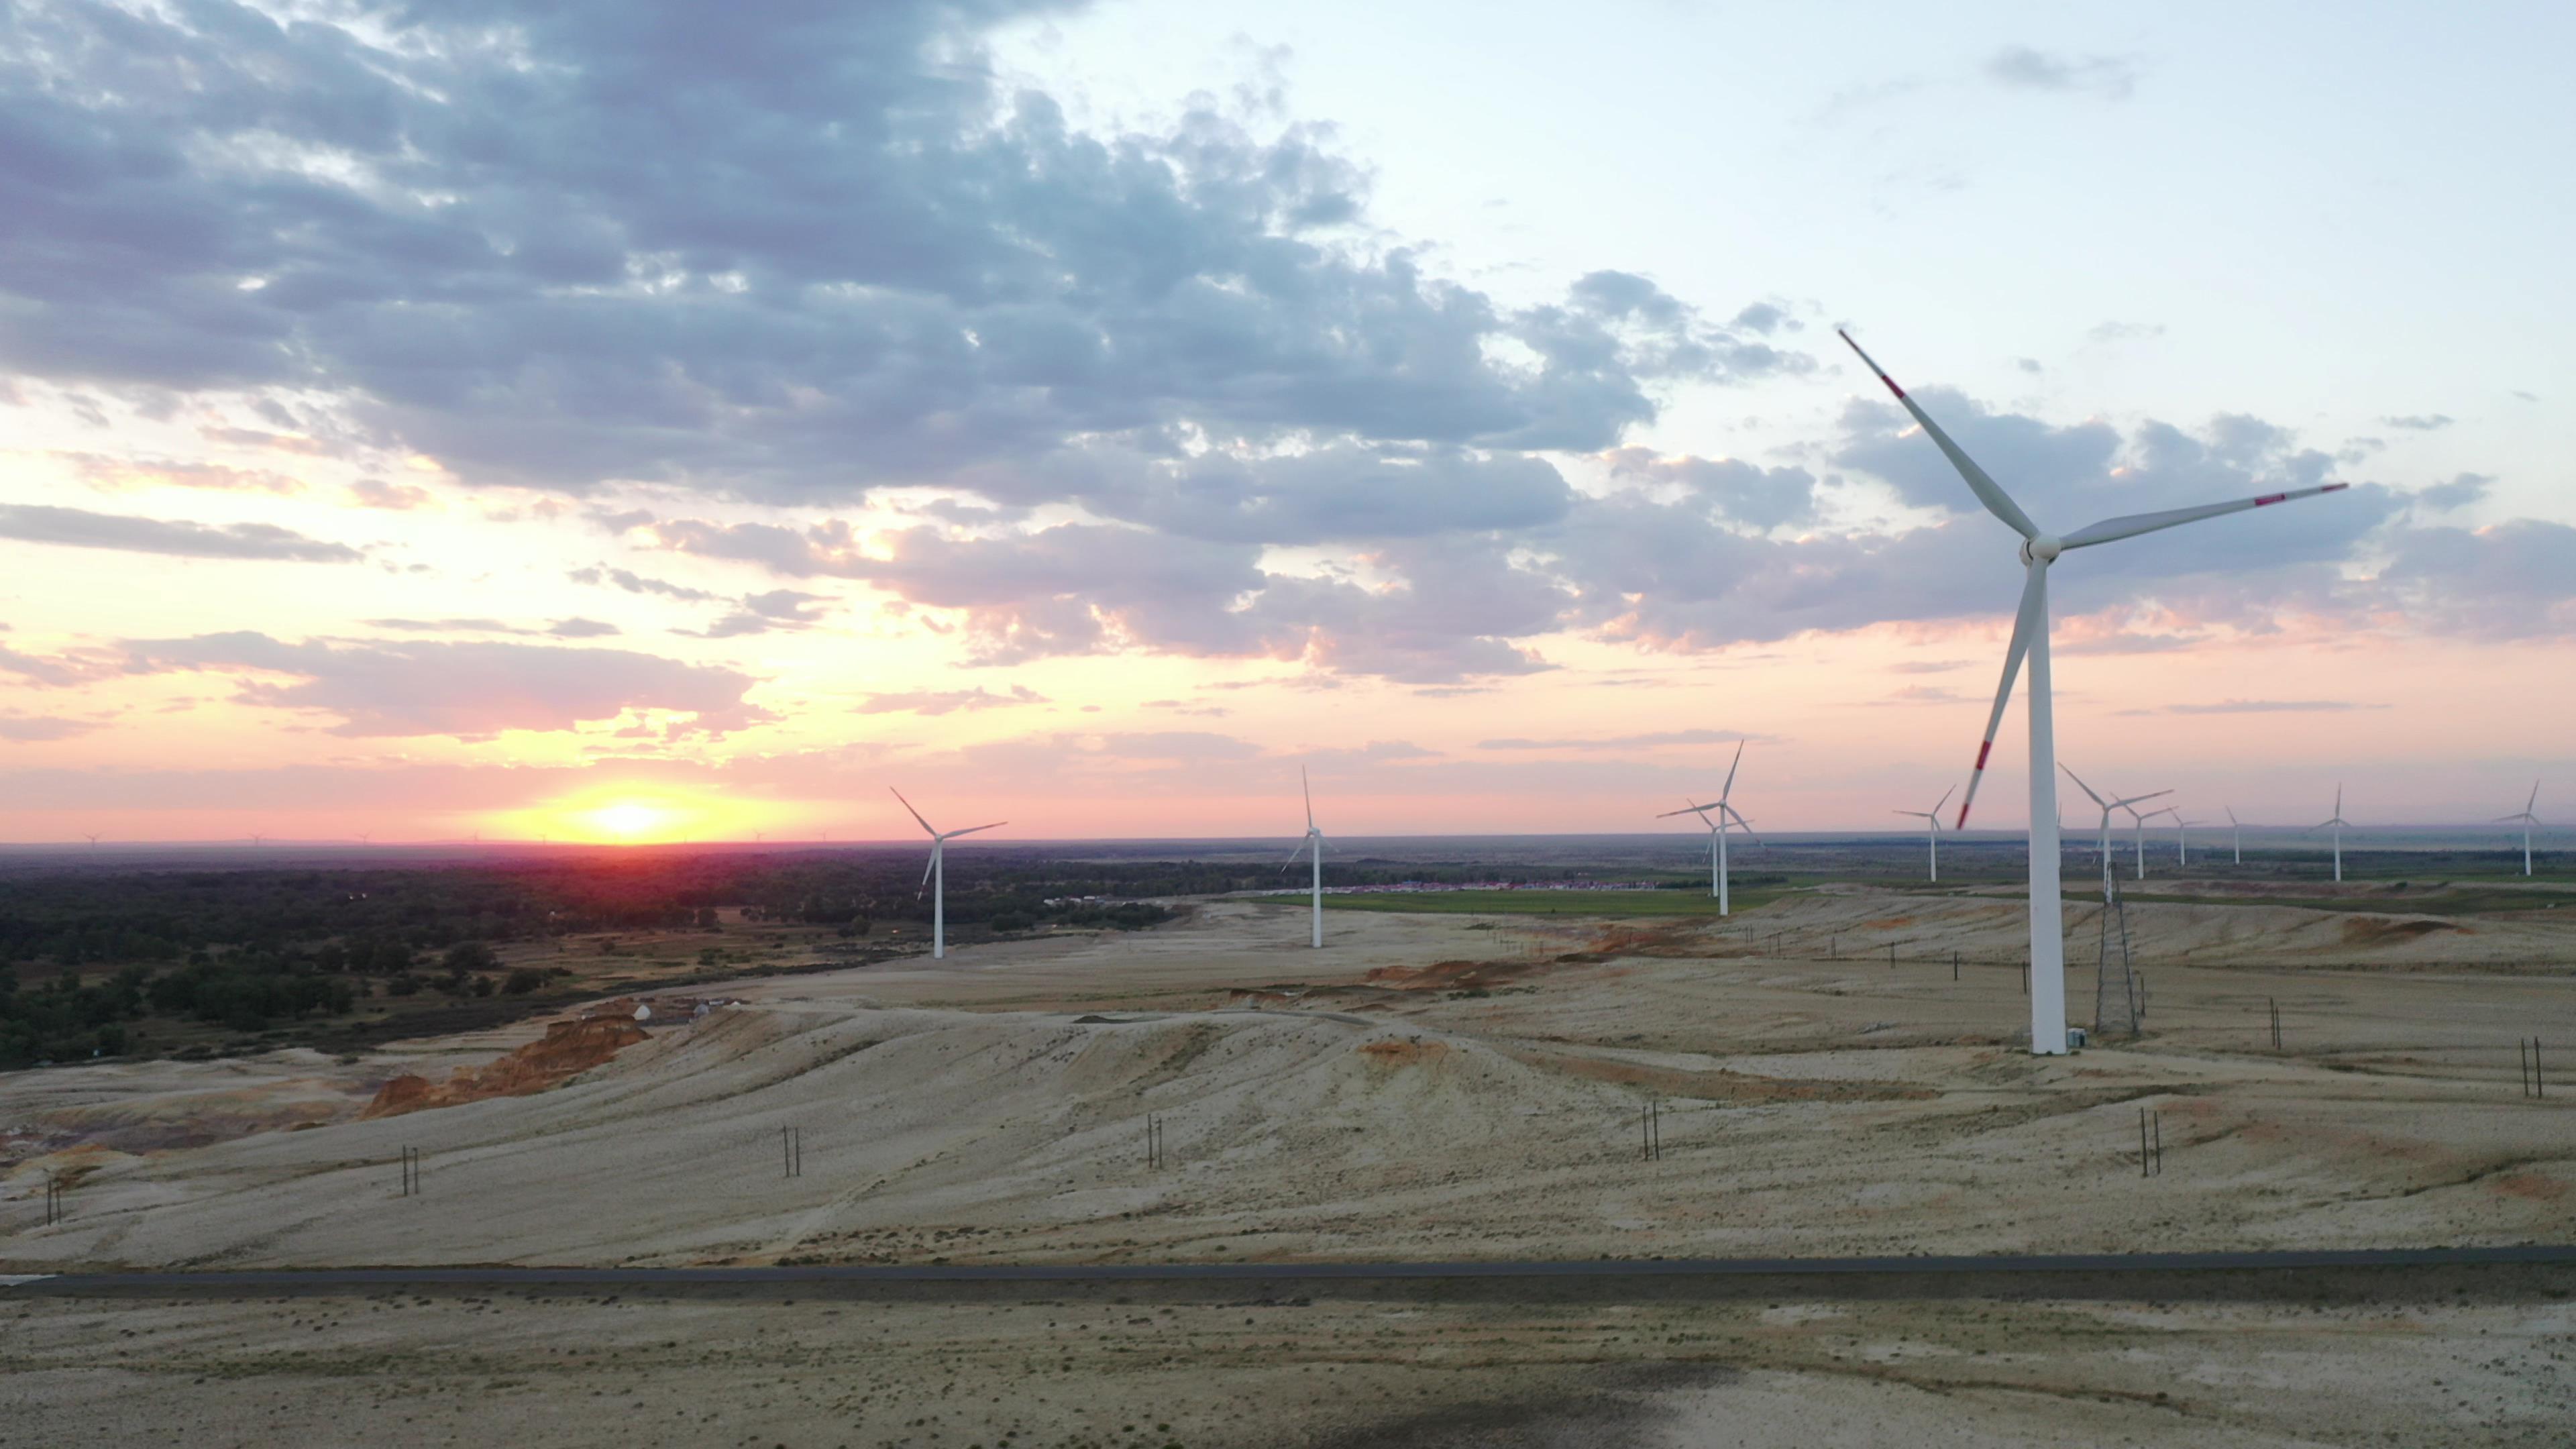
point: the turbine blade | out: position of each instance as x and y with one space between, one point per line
971 829
927 867
2534 802
1307 788
2131 525
2079 781
1997 501
898 794
1729 790
2231 815
1698 810
1944 800
2030 599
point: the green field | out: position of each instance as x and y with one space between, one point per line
1593 904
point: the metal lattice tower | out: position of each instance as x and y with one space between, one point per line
2116 1007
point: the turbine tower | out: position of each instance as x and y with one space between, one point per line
2030 636
2114 918
2138 835
2236 828
1313 845
1932 827
935 875
2338 822
2526 817
1717 828
2182 833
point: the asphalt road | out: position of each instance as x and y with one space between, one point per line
1572 1270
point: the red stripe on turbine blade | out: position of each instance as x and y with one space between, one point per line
1982 751
2334 488
2269 498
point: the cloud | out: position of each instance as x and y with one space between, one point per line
100 471
778 609
951 701
56 673
393 497
1619 742
2460 492
560 629
1748 494
2418 422
33 727
2110 77
80 528
791 257
2260 706
635 583
472 690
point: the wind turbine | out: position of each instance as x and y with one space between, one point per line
2030 636
1717 828
2138 834
2182 834
2236 828
935 875
2107 807
2338 822
2526 817
1932 827
93 842
1313 844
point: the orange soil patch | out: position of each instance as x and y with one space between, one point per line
2377 930
1449 975
2538 1187
1719 1086
1404 1053
568 1049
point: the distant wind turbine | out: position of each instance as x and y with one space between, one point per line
93 846
934 876
1717 884
2182 834
2107 807
1312 845
2526 817
2236 828
1932 827
2030 637
2138 834
2338 823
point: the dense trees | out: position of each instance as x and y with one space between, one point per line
245 949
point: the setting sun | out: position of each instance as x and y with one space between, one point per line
628 819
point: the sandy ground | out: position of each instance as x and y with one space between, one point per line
1426 1087
2452 1359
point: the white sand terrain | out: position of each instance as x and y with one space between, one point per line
1428 1086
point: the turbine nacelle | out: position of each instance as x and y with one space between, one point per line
2043 549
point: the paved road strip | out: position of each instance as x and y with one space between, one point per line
1577 1268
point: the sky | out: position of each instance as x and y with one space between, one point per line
654 421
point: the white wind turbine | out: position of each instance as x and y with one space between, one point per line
2030 636
1717 828
2526 817
2338 822
1313 844
2138 834
2107 807
1932 827
2182 834
935 875
2236 828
